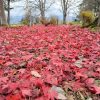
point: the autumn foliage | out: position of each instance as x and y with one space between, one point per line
87 17
49 63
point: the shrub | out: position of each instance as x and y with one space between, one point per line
87 17
74 23
54 20
51 21
25 21
44 21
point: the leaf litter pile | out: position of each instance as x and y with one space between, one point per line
49 63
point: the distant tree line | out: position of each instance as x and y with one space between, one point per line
35 6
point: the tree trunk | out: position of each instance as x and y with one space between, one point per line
99 17
42 9
2 14
8 19
64 18
42 15
99 21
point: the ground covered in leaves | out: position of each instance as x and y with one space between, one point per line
49 63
